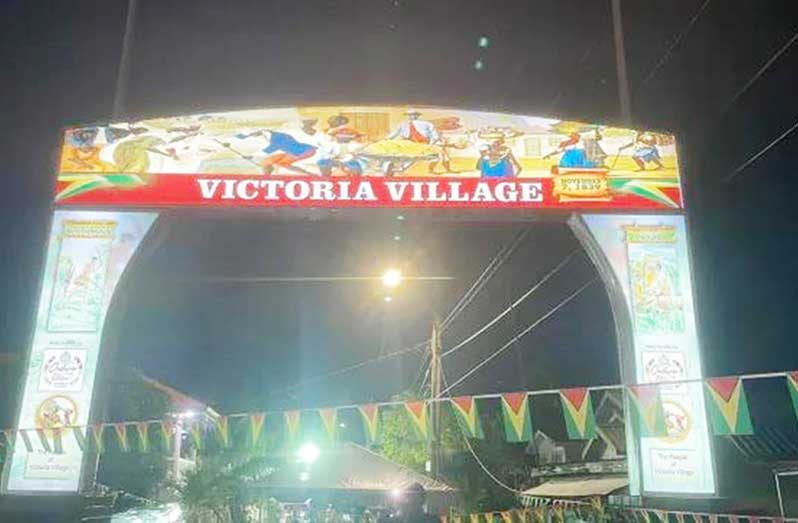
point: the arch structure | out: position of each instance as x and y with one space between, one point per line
619 189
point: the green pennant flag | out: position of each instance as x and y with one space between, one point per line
645 408
44 440
417 410
256 421
143 433
97 433
292 419
222 424
121 436
792 386
517 418
80 438
329 419
728 407
167 433
197 435
465 409
370 414
578 412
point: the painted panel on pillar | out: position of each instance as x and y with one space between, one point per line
649 255
86 255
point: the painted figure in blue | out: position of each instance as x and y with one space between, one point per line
497 161
573 153
646 151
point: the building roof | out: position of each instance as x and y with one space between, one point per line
578 487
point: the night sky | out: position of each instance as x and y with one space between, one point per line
235 344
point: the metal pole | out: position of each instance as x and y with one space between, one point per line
620 63
120 93
778 493
435 391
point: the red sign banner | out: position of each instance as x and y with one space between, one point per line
216 190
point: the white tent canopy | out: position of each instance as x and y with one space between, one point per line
578 487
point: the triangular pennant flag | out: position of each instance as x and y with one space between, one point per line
256 421
143 433
329 419
370 414
80 437
474 518
662 515
507 516
645 407
292 418
97 432
792 386
121 436
26 439
517 419
58 445
222 424
417 410
679 517
10 437
44 440
465 409
167 433
578 412
197 435
713 518
728 406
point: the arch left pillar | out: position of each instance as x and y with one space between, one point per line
87 254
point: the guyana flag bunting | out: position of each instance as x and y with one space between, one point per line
417 410
474 518
196 432
792 386
10 439
256 421
44 439
80 437
465 409
23 433
507 516
121 436
222 424
728 407
167 432
97 434
578 412
329 418
517 419
370 414
292 418
143 433
645 407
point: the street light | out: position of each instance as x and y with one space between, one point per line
392 278
308 453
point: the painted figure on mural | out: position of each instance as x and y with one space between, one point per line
497 161
420 131
646 151
340 148
574 154
282 151
593 150
82 152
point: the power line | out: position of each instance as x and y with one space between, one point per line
509 309
669 52
761 71
496 262
756 156
485 469
518 336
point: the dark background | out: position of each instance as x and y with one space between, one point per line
59 64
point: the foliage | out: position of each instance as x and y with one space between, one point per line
218 485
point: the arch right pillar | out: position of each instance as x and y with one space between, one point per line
644 261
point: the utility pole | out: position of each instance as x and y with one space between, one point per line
624 97
119 109
435 392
